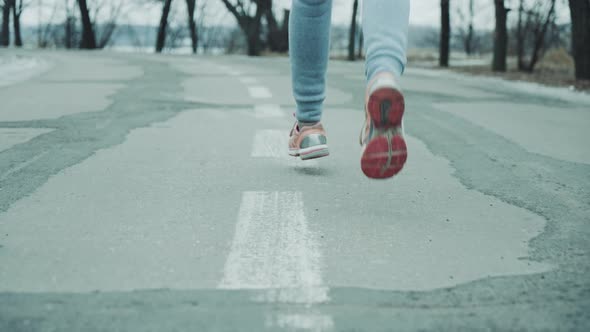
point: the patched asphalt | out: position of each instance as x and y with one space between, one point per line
121 178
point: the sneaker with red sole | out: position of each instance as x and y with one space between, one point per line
384 151
308 142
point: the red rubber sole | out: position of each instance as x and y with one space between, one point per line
384 157
386 107
386 154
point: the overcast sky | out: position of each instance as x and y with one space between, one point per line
424 12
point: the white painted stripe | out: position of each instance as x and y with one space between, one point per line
228 70
248 80
268 111
271 143
259 92
274 249
306 322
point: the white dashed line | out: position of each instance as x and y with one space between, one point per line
248 80
305 322
228 70
259 92
268 111
274 249
271 143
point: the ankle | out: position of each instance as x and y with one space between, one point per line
307 124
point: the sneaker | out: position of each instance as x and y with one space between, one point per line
384 151
308 142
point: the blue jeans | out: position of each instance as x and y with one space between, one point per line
385 28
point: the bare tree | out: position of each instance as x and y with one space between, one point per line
161 39
69 25
500 36
466 31
47 30
205 36
18 7
445 33
249 15
274 37
352 33
277 35
211 32
580 14
88 36
192 25
532 33
105 31
5 32
285 31
361 44
520 35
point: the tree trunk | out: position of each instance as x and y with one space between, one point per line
250 25
274 34
285 31
107 34
470 30
361 44
254 35
580 13
161 39
5 33
18 40
253 31
352 33
69 32
192 25
520 37
539 42
500 37
445 33
253 44
88 37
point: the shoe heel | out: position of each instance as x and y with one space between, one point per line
384 157
314 146
386 108
313 140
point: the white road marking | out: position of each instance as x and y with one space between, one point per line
14 69
268 111
305 322
248 80
259 92
228 70
274 249
271 143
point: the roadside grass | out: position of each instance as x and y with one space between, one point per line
556 68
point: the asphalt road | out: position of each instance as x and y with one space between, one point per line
155 193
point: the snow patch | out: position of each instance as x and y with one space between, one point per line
560 93
15 68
